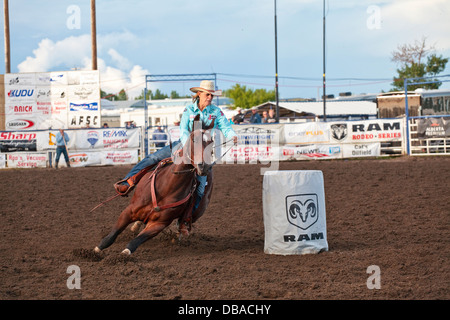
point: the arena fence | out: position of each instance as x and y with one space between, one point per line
429 134
257 143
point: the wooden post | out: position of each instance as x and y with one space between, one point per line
7 45
93 36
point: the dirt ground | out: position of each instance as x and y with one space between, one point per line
392 213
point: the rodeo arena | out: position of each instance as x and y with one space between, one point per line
354 206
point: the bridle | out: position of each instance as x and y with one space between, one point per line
192 141
188 155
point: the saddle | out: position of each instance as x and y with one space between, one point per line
133 180
185 222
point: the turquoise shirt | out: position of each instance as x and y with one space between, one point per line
206 116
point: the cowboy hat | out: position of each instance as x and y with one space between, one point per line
207 86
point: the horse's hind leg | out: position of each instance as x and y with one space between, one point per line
150 231
123 221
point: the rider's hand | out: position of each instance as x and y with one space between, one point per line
235 140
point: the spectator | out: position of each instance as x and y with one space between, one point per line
239 117
160 137
265 117
271 117
61 147
130 125
255 118
105 125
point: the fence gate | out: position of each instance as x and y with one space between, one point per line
429 135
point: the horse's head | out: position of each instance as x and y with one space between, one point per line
199 147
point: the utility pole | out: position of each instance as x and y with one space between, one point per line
7 44
277 115
93 36
324 81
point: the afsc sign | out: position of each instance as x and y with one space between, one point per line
85 120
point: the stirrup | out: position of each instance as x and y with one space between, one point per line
118 184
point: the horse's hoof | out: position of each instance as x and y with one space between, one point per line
126 252
97 250
136 226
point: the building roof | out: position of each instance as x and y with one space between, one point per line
333 108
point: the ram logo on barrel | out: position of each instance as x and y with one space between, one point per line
302 210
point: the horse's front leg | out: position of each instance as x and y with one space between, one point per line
151 230
123 221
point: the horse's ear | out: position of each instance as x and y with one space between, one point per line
197 117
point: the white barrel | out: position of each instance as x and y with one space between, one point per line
294 212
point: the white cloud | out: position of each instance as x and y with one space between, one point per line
75 52
66 53
416 18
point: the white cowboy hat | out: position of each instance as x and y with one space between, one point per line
207 86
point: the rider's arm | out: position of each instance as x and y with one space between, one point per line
184 125
224 125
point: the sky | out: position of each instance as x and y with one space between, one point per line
234 39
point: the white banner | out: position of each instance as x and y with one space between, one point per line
87 139
258 134
252 154
366 131
110 138
308 132
314 151
361 150
52 100
100 158
117 157
2 160
27 160
83 159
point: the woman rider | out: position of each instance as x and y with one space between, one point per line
201 104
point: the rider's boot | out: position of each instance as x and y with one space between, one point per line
123 187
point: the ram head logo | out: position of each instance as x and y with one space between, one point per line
302 210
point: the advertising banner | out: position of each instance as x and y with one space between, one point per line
27 160
375 130
252 154
46 100
109 138
433 128
313 151
100 158
87 139
18 141
308 132
361 150
258 134
117 157
83 159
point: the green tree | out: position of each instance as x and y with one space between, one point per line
416 61
159 95
122 95
246 98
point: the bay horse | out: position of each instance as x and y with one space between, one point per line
168 192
